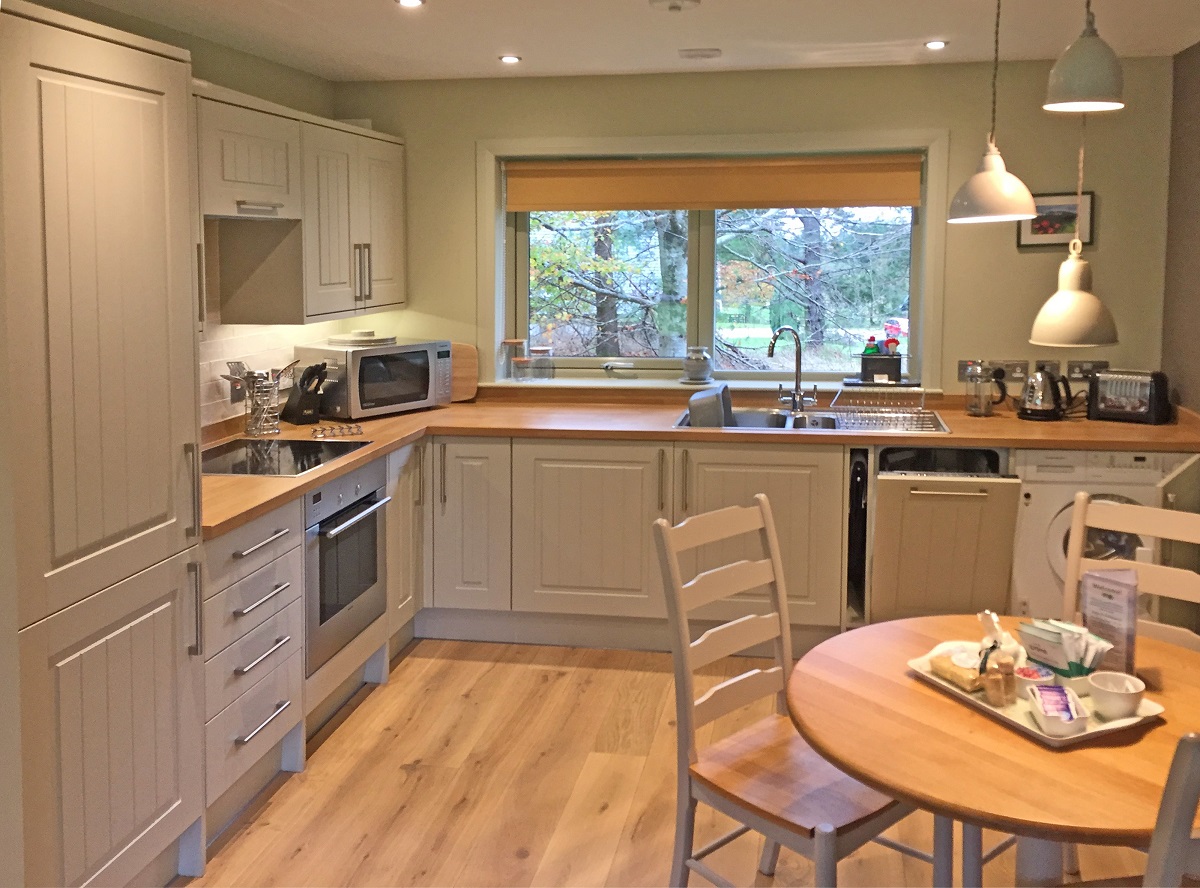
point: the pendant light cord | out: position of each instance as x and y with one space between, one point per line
996 72
1076 245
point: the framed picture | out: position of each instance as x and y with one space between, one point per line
1058 220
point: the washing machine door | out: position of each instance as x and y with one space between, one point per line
1101 544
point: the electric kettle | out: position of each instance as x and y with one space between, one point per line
1046 396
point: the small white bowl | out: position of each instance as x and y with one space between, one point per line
1115 694
1054 726
1078 683
1024 684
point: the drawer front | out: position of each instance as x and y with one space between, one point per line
253 600
246 729
237 668
244 550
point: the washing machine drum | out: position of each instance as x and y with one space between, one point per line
1102 544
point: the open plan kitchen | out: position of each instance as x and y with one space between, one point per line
641 443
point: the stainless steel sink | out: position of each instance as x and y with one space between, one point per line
855 419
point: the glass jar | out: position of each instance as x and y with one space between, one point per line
542 357
510 349
522 369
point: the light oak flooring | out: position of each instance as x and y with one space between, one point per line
488 764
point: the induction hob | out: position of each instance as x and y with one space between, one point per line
285 457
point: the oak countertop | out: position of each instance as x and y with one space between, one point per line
232 500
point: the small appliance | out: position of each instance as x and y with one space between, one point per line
370 376
1046 396
1129 396
981 380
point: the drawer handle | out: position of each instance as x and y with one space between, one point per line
279 642
279 707
272 538
346 525
258 205
917 492
245 610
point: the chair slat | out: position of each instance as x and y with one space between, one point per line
1153 579
1144 520
724 581
733 637
1176 635
712 527
736 692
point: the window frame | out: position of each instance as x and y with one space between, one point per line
497 241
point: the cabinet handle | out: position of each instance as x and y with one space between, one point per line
258 205
918 492
279 707
279 642
443 474
420 500
245 610
369 273
356 273
361 516
662 466
197 649
684 492
192 452
272 538
201 285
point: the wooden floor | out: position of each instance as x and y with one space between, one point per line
485 764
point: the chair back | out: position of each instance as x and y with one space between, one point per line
1153 579
1173 849
733 637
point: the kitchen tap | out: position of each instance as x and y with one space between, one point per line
796 398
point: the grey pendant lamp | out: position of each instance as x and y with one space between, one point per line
1074 316
1087 77
993 194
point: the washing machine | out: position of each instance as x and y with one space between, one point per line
1049 482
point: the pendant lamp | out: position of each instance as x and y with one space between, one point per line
993 194
1087 77
1074 316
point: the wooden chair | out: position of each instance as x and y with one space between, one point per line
764 776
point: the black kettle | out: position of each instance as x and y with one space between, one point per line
1046 396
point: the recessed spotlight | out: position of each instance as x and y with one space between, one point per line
411 4
936 44
510 59
674 5
700 53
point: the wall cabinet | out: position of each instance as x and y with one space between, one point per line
409 537
249 162
472 523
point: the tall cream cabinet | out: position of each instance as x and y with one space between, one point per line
409 541
98 246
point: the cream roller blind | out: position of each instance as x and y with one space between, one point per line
709 183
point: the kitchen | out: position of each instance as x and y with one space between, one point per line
984 276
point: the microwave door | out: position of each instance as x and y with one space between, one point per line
389 380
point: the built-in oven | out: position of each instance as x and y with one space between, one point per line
345 581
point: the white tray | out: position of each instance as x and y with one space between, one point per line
1019 716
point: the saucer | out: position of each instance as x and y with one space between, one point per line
683 380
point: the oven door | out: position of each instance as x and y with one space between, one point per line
386 380
344 579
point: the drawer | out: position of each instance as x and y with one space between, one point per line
247 728
249 602
236 669
244 550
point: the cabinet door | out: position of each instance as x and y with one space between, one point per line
379 222
111 719
472 521
249 163
807 490
941 546
98 253
332 260
408 533
583 534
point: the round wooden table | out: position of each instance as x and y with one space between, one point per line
855 701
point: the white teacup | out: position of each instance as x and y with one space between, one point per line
1115 694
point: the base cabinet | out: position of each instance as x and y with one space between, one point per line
409 536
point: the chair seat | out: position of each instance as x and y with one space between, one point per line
770 769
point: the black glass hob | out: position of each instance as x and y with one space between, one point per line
257 456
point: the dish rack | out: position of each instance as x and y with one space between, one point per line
884 408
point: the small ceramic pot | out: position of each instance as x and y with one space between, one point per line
698 365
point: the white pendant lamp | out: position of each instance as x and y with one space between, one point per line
993 194
1074 316
1087 77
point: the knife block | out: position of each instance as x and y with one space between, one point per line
302 408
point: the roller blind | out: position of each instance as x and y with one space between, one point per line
850 180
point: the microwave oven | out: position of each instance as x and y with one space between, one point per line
366 381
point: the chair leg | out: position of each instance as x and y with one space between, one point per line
770 857
943 851
1071 859
685 828
972 856
825 856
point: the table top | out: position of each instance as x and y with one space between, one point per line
855 701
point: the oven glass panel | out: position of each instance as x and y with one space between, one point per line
393 379
349 563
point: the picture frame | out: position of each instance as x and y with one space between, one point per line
1058 220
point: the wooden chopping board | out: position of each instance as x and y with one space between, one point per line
464 379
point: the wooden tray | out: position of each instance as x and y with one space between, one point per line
1019 716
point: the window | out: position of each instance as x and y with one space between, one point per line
638 259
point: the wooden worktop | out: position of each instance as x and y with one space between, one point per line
232 500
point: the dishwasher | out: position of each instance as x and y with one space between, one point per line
943 527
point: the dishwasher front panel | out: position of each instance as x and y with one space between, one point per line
942 544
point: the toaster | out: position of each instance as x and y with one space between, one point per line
1129 396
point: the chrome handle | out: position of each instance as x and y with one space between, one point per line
272 538
370 272
192 453
201 284
197 649
917 492
684 492
279 707
245 610
420 500
330 534
258 205
356 272
443 474
279 642
662 466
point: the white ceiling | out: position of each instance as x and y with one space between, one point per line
379 40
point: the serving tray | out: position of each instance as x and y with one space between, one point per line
1019 715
